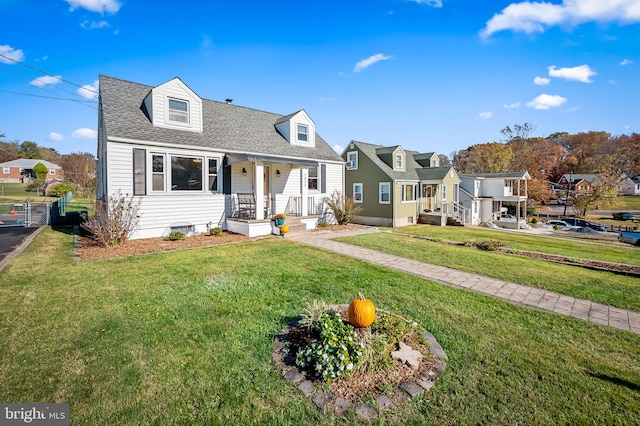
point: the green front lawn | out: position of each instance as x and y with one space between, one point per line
602 287
185 338
575 248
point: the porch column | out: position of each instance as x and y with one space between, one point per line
304 190
258 184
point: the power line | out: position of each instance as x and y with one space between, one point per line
48 97
46 73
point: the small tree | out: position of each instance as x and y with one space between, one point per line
41 171
115 220
342 208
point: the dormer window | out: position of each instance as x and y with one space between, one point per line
303 132
398 161
179 111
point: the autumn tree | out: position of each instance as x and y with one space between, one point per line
604 194
8 151
492 157
28 149
79 168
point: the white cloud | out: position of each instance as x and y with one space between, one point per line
535 17
84 133
46 80
11 53
485 115
625 62
89 91
545 102
337 148
582 73
98 6
93 25
434 3
366 63
53 136
512 106
541 81
613 82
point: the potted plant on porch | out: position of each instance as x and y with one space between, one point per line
279 219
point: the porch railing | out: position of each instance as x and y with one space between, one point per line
447 208
315 206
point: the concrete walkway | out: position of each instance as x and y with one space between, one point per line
515 293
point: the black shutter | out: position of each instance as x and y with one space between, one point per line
323 178
226 177
139 171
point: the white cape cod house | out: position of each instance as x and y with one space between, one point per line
196 163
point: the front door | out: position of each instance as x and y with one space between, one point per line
427 194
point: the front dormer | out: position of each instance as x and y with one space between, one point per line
394 157
173 105
298 129
429 159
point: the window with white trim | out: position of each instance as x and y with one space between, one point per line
52 171
352 160
408 192
303 132
213 174
444 192
312 180
6 170
186 173
178 111
357 193
157 172
399 161
384 192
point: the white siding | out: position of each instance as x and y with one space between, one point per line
334 178
289 129
160 211
177 90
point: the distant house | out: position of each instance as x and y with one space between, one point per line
484 196
630 185
195 163
395 187
22 168
574 183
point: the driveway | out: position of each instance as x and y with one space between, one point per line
11 238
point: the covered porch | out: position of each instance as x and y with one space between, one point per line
260 186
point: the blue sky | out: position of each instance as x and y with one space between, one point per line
430 75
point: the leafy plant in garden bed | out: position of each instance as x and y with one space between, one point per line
354 361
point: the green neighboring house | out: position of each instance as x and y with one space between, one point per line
395 187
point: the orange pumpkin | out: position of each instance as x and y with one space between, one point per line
284 229
361 312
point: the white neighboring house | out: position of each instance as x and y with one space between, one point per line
482 194
630 185
196 163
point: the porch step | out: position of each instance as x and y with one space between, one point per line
295 225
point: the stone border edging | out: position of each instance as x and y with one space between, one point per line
340 406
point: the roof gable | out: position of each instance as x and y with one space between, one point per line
297 128
174 105
225 127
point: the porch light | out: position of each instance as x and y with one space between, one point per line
278 172
244 171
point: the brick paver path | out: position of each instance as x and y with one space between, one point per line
519 294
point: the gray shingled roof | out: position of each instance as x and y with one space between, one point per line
226 127
413 170
504 175
28 163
